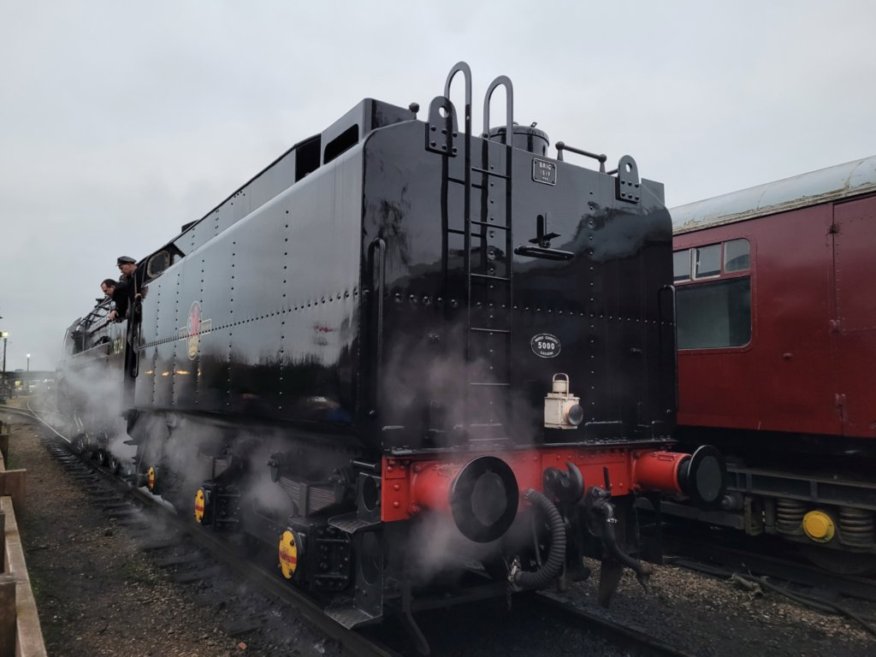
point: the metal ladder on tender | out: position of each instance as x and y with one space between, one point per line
488 278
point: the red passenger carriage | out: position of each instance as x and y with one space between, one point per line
777 352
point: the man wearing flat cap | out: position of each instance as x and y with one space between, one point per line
131 280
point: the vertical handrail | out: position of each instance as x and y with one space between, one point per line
465 69
377 275
504 81
462 67
672 296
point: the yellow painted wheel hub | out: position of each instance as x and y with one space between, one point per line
288 553
200 505
151 478
818 526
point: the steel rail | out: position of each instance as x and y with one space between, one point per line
722 560
635 641
31 415
268 583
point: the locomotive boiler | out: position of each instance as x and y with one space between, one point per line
410 356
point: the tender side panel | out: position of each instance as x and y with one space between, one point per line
166 325
258 191
292 166
191 282
261 319
218 309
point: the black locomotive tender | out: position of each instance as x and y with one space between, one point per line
403 349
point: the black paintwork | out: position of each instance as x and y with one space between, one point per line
603 305
287 276
379 289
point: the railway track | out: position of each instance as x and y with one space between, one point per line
633 641
808 585
180 544
193 554
725 555
198 555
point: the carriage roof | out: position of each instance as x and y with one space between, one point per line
830 184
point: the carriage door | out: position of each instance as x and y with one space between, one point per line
854 330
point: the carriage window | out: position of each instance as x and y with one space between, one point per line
736 255
707 261
681 265
714 315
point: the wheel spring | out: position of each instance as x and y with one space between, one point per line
789 516
857 527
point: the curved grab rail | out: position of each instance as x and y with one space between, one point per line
465 69
501 81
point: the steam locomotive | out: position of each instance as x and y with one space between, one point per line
777 340
410 357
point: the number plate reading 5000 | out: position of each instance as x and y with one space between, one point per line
545 345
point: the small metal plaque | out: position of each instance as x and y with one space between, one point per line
544 172
545 345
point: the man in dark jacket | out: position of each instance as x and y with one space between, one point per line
119 294
132 280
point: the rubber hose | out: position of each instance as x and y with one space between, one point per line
551 568
609 537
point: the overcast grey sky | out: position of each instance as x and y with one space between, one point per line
120 121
